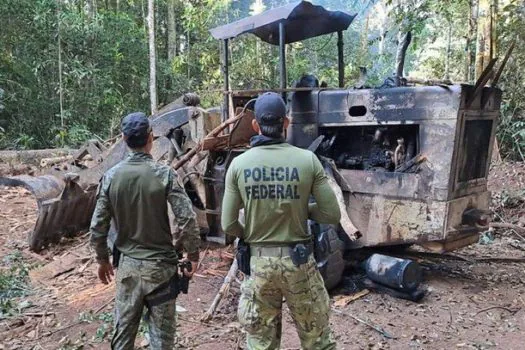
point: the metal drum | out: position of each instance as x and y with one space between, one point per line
401 274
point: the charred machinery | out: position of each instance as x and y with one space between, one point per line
409 164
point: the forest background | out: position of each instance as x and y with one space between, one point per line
70 69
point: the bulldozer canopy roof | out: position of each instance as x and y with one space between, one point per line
302 20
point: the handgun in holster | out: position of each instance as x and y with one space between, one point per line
115 254
184 281
299 253
243 256
170 289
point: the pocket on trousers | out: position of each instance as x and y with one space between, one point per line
321 306
247 312
124 273
158 273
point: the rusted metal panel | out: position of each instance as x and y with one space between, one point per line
42 187
475 137
61 217
387 221
433 109
451 244
456 208
399 185
396 105
63 207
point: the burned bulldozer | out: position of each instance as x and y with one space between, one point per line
409 164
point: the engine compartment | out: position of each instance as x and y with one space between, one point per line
372 148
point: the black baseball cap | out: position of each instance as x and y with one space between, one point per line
136 128
270 109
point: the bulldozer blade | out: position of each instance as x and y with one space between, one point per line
64 208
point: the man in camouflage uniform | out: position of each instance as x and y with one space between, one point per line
273 182
134 193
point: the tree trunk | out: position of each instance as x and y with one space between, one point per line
483 39
402 46
91 8
144 19
188 52
172 31
493 27
470 47
382 40
364 43
60 82
152 57
447 58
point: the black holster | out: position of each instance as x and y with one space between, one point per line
171 289
115 254
243 256
299 254
184 282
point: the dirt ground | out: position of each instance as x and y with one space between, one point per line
474 301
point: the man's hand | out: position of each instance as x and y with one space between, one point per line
189 274
105 271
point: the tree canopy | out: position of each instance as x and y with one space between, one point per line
69 69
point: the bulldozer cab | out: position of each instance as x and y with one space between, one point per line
281 26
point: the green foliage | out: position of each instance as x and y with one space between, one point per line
105 59
13 284
104 62
106 322
511 130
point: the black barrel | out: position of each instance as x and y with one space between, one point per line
401 274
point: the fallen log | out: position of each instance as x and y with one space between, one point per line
47 162
16 169
33 156
207 316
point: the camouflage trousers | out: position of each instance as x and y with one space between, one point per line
260 305
135 279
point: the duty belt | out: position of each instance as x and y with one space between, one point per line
277 251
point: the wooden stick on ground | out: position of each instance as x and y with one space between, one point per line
368 324
202 258
222 292
517 229
509 226
103 306
512 311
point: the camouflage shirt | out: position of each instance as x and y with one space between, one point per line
135 193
